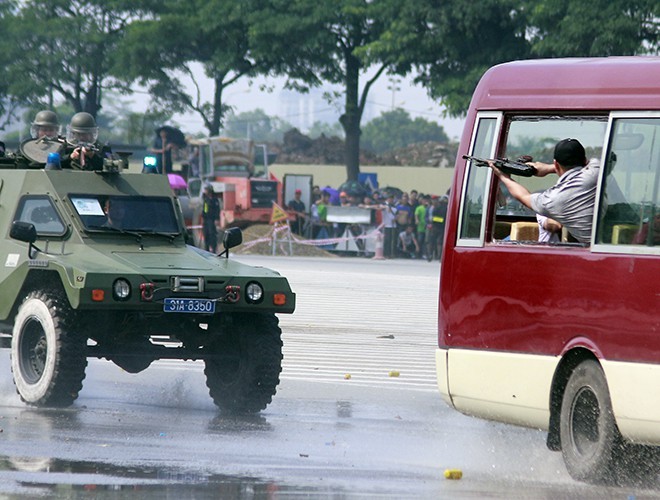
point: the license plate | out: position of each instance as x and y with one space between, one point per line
202 306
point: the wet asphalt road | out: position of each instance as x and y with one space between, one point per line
342 424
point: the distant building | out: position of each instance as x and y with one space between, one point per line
303 110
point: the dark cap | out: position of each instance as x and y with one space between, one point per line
570 153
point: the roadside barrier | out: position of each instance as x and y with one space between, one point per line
376 233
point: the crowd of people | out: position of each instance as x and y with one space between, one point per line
411 224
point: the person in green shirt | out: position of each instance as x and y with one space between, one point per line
420 223
321 215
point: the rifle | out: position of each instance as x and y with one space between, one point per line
88 146
507 166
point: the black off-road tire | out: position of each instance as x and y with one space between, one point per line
48 357
590 440
244 376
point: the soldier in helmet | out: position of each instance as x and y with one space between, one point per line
45 139
83 152
46 125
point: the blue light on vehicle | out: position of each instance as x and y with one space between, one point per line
149 161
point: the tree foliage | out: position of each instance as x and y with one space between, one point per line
452 43
165 51
63 49
396 129
563 28
331 41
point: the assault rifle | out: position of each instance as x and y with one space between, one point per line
507 166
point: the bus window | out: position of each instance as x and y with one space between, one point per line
537 136
630 213
476 193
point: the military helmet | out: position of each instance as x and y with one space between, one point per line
82 129
46 117
45 124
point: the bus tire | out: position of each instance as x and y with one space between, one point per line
590 439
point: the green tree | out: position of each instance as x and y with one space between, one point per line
256 125
7 103
451 43
63 49
161 51
332 44
396 129
562 28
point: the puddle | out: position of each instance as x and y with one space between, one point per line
56 478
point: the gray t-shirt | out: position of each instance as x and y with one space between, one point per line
571 201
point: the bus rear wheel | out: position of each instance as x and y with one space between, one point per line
590 439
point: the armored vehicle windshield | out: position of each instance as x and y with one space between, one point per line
127 213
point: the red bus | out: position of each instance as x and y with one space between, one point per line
562 336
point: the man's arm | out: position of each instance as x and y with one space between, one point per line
543 169
516 190
551 225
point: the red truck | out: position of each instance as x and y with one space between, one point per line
246 191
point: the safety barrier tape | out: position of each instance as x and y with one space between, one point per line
320 242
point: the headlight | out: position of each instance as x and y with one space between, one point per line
121 289
254 293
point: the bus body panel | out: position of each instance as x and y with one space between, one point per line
510 393
612 83
622 319
635 408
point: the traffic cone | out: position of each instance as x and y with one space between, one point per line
378 251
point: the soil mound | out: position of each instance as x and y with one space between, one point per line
258 239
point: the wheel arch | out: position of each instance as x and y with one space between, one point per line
38 280
570 360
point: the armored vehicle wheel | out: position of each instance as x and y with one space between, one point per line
47 356
243 378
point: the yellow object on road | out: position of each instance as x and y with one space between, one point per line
453 473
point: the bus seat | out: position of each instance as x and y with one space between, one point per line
525 231
622 234
502 230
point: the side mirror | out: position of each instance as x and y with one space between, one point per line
232 238
23 231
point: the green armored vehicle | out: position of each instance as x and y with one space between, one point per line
96 265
